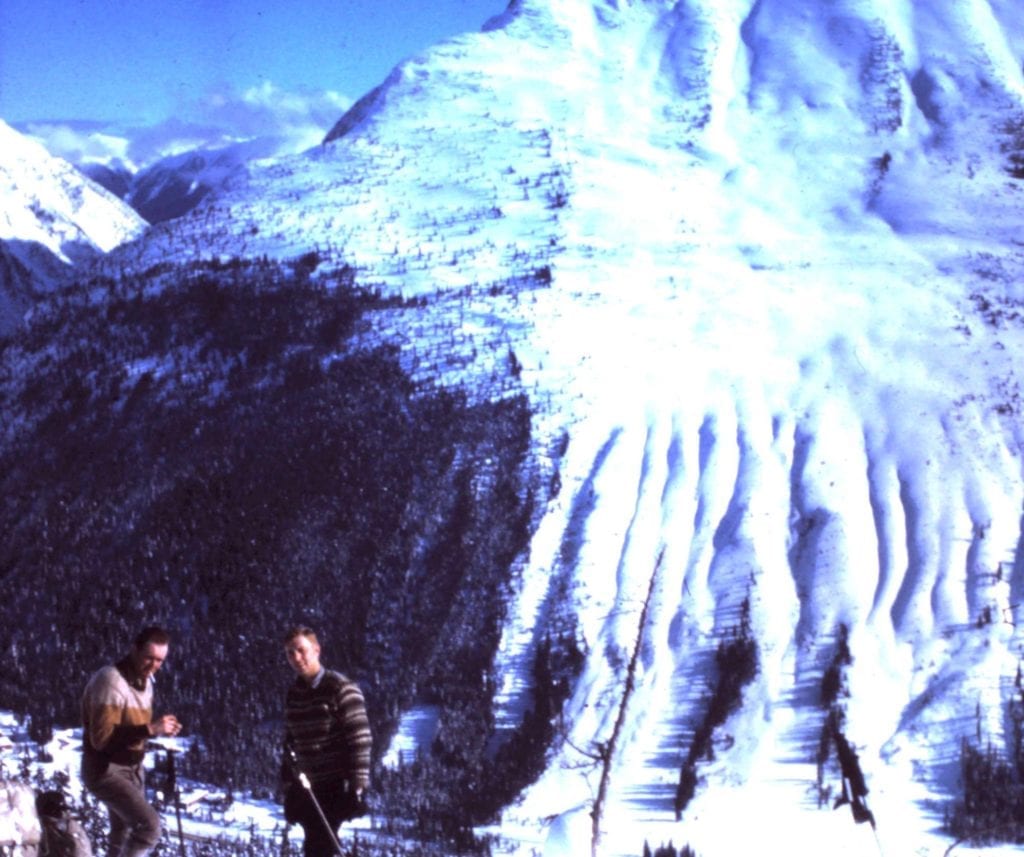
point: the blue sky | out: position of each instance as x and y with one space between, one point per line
142 63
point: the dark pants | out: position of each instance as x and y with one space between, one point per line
134 824
319 834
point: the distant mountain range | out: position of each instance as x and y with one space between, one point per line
56 217
174 185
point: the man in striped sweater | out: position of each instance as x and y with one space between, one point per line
117 716
327 741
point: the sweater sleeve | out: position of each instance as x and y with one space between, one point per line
356 728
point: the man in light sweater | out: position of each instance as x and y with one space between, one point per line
117 716
327 741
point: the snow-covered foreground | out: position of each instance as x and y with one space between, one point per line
206 812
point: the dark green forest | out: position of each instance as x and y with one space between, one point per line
228 448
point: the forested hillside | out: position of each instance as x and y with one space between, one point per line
229 448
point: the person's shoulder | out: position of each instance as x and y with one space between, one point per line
105 675
335 678
338 681
105 678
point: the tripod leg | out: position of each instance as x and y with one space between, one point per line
173 778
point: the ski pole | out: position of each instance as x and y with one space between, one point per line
308 786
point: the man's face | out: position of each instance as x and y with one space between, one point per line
149 658
303 656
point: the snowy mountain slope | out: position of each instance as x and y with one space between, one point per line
174 185
51 217
114 176
781 336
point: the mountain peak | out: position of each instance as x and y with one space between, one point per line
51 217
78 211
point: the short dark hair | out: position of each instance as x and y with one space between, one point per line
151 634
300 631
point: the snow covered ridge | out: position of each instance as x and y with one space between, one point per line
51 217
175 184
780 332
45 200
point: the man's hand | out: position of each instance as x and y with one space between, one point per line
166 725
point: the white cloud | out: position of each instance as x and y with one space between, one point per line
268 110
81 143
296 120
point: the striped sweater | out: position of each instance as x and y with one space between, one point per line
327 728
116 710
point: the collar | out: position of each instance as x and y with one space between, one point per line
315 681
124 666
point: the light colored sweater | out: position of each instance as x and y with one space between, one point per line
116 711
